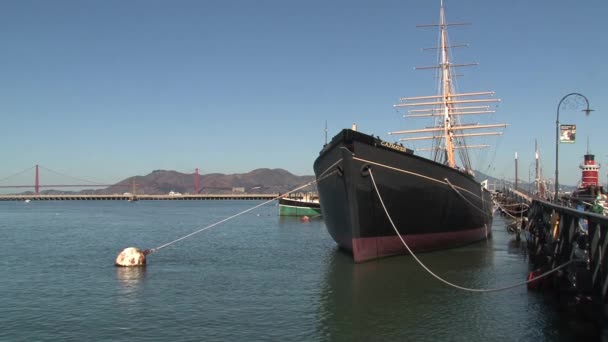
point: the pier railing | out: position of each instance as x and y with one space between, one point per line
561 234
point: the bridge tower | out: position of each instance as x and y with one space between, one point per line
196 181
37 181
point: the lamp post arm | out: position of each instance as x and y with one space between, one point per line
587 111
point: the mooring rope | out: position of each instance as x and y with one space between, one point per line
464 198
153 250
322 174
515 204
517 212
506 212
443 280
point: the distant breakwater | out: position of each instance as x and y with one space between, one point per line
137 197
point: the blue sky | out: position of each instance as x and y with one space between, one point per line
104 90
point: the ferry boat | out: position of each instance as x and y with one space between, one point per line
434 202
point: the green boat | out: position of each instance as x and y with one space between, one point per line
300 205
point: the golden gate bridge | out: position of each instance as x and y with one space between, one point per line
86 183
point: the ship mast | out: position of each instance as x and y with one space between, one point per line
537 168
447 91
448 105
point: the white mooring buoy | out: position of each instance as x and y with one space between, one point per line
131 256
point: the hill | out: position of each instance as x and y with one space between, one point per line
522 185
261 181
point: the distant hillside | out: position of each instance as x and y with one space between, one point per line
262 181
480 176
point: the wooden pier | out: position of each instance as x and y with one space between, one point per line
558 235
119 197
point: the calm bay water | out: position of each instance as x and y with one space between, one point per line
257 277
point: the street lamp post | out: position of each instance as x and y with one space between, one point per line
587 112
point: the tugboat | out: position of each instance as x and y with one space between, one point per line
590 195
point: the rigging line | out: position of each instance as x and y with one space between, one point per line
499 140
153 250
72 177
16 174
411 173
445 281
464 198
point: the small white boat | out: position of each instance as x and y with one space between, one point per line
27 201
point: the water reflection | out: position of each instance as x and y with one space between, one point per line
377 298
290 220
130 278
518 248
395 299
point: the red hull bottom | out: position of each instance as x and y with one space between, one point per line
365 249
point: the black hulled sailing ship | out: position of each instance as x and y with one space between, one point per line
434 202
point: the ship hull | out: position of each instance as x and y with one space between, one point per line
432 206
